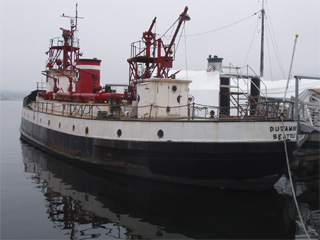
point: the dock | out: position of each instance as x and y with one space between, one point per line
307 162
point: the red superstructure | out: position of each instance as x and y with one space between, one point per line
88 75
74 79
62 53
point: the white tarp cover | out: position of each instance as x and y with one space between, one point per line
205 86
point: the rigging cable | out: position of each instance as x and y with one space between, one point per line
214 30
275 45
285 144
176 49
185 50
169 28
270 65
172 30
276 51
185 44
254 33
217 29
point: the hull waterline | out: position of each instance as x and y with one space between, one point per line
236 165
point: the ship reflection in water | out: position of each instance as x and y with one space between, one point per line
89 205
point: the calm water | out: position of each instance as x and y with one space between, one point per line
45 198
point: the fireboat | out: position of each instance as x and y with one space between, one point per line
152 128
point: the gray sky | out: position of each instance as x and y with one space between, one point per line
109 27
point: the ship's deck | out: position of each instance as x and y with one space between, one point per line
190 112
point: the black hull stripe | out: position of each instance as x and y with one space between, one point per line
199 163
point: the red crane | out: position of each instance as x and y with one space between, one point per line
142 65
154 56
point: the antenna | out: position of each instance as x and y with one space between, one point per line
73 18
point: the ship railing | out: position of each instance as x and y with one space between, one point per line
262 110
136 47
59 42
275 107
41 85
263 91
272 109
67 109
309 112
56 42
243 74
139 49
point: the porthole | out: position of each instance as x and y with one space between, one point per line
40 119
73 127
119 132
34 118
160 133
48 122
174 88
59 125
87 130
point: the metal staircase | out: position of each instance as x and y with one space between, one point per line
242 102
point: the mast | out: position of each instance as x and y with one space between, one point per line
262 41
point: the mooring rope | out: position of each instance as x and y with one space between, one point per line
285 144
291 182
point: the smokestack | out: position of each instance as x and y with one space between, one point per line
214 64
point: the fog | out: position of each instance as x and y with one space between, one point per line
227 28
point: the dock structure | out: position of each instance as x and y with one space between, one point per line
307 163
307 113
